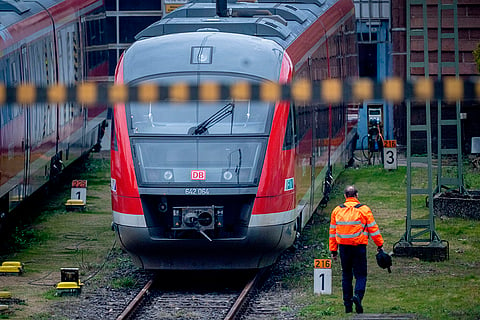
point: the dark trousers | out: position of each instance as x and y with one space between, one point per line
354 263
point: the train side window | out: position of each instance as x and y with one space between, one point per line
113 137
24 72
3 73
290 132
50 62
13 72
303 117
321 122
338 119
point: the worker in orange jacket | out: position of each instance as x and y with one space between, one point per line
350 226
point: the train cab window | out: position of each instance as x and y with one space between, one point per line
223 117
200 118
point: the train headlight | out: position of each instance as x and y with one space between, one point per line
163 205
168 175
227 175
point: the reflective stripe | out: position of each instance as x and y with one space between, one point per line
371 224
348 223
376 233
332 235
332 226
349 236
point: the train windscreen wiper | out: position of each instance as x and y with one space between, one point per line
215 118
238 166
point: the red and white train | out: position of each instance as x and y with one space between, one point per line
44 43
230 184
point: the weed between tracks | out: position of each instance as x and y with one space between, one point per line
430 290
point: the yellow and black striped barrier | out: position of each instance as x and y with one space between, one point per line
326 91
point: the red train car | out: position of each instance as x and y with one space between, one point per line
45 43
229 184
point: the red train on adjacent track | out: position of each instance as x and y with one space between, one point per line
44 43
230 184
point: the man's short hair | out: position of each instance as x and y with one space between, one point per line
350 191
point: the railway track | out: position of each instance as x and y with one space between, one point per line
222 300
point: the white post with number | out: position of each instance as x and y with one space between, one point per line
322 282
390 154
79 190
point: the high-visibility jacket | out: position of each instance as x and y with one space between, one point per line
351 224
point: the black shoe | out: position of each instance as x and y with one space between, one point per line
358 304
348 309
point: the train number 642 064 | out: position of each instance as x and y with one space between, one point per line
197 191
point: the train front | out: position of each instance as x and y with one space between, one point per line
202 184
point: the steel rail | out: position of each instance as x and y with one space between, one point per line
132 306
243 297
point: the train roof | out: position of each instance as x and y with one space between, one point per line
12 12
281 21
19 19
245 56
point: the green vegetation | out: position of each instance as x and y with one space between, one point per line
124 282
476 56
54 238
430 290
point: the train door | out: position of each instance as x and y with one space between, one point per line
303 176
313 161
24 78
13 137
72 120
318 154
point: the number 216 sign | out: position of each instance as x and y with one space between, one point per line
322 282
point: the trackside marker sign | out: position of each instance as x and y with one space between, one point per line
322 281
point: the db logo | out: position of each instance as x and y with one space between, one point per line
198 175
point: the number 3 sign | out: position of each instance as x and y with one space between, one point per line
322 282
390 154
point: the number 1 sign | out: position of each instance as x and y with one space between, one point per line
79 190
322 282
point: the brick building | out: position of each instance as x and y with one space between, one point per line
436 38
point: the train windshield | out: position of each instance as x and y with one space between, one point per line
225 117
200 118
199 143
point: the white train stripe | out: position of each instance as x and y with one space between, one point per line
130 220
271 219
